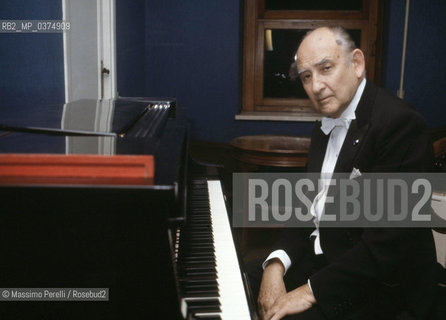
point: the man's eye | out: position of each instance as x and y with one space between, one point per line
305 77
327 68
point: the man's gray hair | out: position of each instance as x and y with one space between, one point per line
343 39
342 36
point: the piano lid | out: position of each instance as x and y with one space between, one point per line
89 117
124 126
80 127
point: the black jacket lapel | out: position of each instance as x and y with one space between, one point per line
318 146
357 130
351 146
353 140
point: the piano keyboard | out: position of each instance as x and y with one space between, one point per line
209 275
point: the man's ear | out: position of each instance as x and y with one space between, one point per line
358 62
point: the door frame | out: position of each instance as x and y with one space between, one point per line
83 74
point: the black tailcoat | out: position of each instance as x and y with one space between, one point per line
387 136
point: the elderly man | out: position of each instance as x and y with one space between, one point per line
352 273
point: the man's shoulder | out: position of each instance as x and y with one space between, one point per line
388 109
389 103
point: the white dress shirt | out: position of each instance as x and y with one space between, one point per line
337 137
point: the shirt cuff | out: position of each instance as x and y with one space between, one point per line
309 284
282 256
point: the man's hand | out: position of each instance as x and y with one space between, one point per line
272 286
293 302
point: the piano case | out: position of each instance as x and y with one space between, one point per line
88 231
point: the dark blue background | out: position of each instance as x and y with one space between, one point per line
191 50
31 65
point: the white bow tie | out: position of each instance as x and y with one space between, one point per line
329 123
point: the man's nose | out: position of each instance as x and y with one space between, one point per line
318 84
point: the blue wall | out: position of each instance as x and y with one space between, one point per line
193 53
424 80
31 65
130 47
191 50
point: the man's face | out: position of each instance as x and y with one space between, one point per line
328 76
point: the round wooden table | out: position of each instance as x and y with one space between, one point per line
272 150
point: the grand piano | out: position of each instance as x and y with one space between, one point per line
159 239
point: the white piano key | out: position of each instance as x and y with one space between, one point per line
234 304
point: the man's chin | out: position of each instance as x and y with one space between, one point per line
330 111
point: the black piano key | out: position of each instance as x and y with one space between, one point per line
201 273
193 281
201 253
210 305
203 309
197 258
207 292
199 286
199 264
197 267
206 317
196 277
199 248
203 295
202 284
